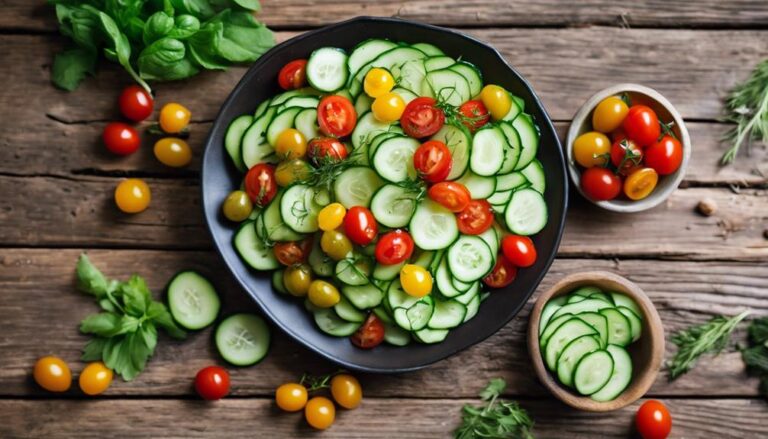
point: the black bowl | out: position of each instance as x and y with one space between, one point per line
219 177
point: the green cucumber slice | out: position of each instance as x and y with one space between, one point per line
593 372
242 339
192 300
619 327
620 377
572 354
567 332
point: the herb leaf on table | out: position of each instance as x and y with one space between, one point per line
496 419
756 355
747 107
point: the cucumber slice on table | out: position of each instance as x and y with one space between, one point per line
593 372
192 300
327 69
572 354
620 377
243 339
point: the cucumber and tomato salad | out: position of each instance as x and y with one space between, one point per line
388 186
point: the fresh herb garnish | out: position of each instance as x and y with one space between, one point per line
125 333
747 107
496 419
756 355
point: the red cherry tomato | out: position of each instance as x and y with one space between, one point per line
135 103
626 156
664 156
642 125
519 250
433 161
451 195
421 118
600 184
653 420
260 184
370 334
212 383
293 75
321 149
120 138
503 273
360 226
474 114
476 218
292 252
394 247
336 116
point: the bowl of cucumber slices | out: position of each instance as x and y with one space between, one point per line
596 341
387 162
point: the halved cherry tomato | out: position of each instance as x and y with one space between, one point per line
474 114
640 183
609 114
336 116
120 138
451 195
293 75
642 125
394 247
421 118
370 334
323 149
653 420
433 161
135 103
212 383
600 184
292 252
260 184
626 156
476 218
503 273
360 225
665 156
519 250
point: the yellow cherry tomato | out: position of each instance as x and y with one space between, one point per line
335 244
173 152
590 149
388 107
297 279
331 217
609 114
291 171
378 82
95 378
346 391
174 117
52 374
415 280
640 183
496 100
291 397
323 294
132 195
320 412
291 144
237 206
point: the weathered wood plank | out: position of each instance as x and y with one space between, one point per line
375 418
37 286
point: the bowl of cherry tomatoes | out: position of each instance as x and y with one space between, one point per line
627 148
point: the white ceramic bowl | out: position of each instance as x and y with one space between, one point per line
582 123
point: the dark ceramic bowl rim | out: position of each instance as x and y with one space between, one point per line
253 70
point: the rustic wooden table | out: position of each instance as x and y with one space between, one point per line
56 185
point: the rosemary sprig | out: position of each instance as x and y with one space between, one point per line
747 107
497 419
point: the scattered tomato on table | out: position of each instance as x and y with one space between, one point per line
132 195
52 374
653 420
120 138
136 103
212 383
319 410
291 397
174 117
95 378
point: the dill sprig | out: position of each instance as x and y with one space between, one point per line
497 419
747 107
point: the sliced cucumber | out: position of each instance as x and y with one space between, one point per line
471 74
432 226
321 263
396 56
430 336
572 354
447 314
300 205
549 309
366 51
270 225
576 299
393 159
500 198
448 86
356 186
355 272
277 281
458 142
488 146
586 291
254 148
416 316
635 322
253 250
470 258
364 296
363 104
261 109
387 272
526 213
438 62
367 128
410 76
396 335
534 173
480 187
514 110
407 95
192 300
242 339
621 375
383 314
551 327
513 180
393 206
567 332
306 123
329 322
429 49
472 308
327 69
529 139
398 298
300 102
599 322
513 150
589 305
626 301
593 372
281 122
348 312
443 280
234 138
283 97
601 296
619 327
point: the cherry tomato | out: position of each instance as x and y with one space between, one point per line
600 184
640 183
260 184
95 378
360 225
323 294
378 82
626 156
291 144
346 391
433 161
292 171
370 334
665 156
174 117
609 114
415 280
421 118
496 100
323 149
451 195
476 218
336 116
120 138
52 374
135 103
331 216
388 107
474 114
642 125
237 206
519 250
293 75
320 412
291 252
132 195
503 273
297 279
212 383
335 244
394 247
653 420
291 397
589 149
173 152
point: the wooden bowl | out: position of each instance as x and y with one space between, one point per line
582 123
647 353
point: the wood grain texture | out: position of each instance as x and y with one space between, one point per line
40 310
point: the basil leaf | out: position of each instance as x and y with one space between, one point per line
89 279
71 66
156 27
94 349
203 46
148 333
244 38
104 324
107 305
142 346
251 5
184 27
159 314
198 8
136 296
165 60
122 46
